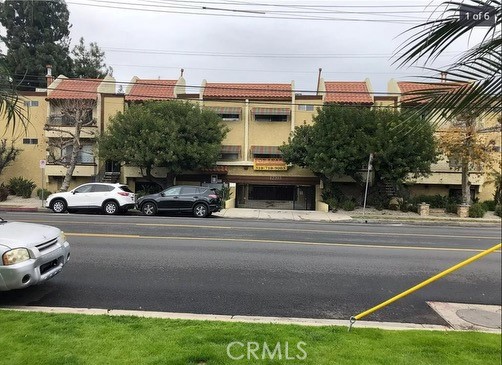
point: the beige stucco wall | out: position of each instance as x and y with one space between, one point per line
268 133
235 136
27 164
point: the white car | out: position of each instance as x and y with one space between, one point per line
109 198
31 254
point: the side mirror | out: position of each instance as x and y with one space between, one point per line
162 194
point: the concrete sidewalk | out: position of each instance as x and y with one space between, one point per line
14 203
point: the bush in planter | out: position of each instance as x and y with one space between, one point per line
45 191
489 205
476 211
4 193
21 187
451 207
498 210
348 205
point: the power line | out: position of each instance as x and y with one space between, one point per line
201 12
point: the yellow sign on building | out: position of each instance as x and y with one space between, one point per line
269 164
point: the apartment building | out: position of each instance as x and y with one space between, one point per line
260 118
445 178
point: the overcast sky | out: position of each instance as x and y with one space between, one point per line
246 41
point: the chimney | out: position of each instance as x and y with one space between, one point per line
49 78
443 76
182 70
318 81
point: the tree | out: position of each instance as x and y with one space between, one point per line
341 139
8 154
476 72
174 135
89 63
37 34
65 150
466 148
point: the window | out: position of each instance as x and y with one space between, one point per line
83 189
102 188
306 107
172 191
31 103
85 155
271 114
230 117
30 140
189 190
270 118
126 189
229 156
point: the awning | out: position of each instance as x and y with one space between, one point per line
231 149
225 110
271 111
265 150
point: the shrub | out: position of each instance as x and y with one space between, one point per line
4 193
451 207
15 184
45 191
21 187
489 205
498 210
476 211
348 205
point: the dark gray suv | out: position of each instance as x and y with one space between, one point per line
199 200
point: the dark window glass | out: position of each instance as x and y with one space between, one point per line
102 188
30 140
126 188
189 190
271 118
84 189
172 191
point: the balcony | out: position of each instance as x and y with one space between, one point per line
58 120
87 170
65 127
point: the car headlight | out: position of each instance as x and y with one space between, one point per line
15 256
62 236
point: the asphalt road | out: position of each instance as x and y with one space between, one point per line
266 268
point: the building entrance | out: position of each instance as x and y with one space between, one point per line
261 196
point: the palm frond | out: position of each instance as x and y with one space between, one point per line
10 108
473 81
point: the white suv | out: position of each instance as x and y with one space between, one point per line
109 198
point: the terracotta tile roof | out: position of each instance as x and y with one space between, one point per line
152 90
253 90
347 92
414 88
76 89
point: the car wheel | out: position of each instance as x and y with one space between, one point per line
111 207
149 208
200 210
58 206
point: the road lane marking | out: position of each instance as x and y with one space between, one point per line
327 244
103 235
269 229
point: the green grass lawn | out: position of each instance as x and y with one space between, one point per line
40 338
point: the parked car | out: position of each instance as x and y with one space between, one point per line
31 254
199 200
109 198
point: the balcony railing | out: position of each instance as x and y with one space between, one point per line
68 121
